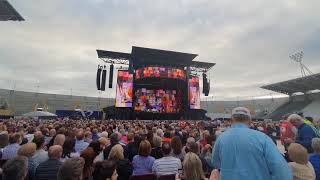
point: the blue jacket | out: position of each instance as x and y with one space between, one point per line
245 154
305 136
315 161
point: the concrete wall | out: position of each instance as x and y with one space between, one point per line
21 102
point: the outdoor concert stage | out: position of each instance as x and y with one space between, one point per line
156 84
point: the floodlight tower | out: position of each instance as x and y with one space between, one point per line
297 57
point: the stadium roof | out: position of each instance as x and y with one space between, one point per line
8 13
289 87
142 55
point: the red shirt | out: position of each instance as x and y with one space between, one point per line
166 140
286 131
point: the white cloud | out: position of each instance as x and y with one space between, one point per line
249 40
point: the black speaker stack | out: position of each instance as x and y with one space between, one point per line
205 85
111 75
98 79
102 77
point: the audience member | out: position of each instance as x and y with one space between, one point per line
186 148
71 169
194 147
264 160
192 168
28 150
4 139
133 147
10 151
96 146
41 155
124 168
68 149
80 143
176 145
142 163
88 155
114 140
305 132
302 169
168 164
315 158
48 170
59 139
105 170
156 151
167 137
88 137
15 169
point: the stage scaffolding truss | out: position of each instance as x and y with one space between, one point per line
155 56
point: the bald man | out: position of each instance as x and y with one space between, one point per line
80 143
48 170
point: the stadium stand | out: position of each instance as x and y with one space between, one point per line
307 102
20 102
289 107
312 110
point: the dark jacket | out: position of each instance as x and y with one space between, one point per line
48 170
132 150
156 153
305 136
124 169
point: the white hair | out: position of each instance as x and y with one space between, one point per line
316 144
295 117
104 134
160 132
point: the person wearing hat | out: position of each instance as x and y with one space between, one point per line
242 153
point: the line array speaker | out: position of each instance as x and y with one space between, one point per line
104 76
111 75
98 79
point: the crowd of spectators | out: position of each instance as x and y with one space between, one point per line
192 150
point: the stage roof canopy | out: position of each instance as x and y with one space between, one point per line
205 65
289 87
8 13
113 55
142 55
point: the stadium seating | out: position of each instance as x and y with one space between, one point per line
289 107
168 177
312 110
144 177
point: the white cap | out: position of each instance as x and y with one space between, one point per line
241 111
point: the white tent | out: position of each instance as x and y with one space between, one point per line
39 114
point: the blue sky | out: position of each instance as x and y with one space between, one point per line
250 40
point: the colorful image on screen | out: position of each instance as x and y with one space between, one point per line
156 101
194 93
124 89
160 72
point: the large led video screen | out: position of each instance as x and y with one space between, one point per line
194 93
124 90
160 72
156 101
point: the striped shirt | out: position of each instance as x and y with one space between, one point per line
166 165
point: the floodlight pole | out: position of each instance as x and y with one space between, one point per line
297 57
